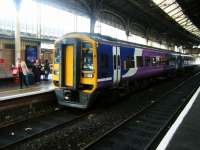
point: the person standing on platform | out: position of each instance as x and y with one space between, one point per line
25 72
46 70
20 73
37 71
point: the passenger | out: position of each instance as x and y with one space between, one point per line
37 71
46 70
25 72
19 68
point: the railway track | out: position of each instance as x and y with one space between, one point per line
21 132
144 129
25 107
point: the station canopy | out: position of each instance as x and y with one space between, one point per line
186 14
176 24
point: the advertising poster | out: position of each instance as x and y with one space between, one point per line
30 55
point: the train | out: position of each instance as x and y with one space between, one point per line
86 64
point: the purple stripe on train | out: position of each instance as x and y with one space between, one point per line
147 71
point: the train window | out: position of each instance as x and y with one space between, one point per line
153 61
147 61
167 60
158 60
130 62
104 65
57 56
139 61
87 60
172 61
86 45
164 61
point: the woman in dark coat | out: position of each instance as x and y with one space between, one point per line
46 70
37 71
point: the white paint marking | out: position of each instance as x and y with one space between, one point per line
132 71
105 79
25 94
167 138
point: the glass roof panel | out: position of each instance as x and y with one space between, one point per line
179 18
177 15
182 20
173 9
170 8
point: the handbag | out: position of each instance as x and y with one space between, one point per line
15 71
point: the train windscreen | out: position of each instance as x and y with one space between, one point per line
87 60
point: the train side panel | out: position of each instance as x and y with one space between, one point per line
149 64
105 65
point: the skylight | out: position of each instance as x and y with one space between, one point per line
173 9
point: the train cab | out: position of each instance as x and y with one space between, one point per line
75 70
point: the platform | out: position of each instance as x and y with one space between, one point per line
185 132
11 92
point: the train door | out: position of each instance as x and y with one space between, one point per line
69 64
116 65
70 70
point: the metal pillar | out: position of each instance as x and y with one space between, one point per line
127 28
17 32
147 34
127 33
92 24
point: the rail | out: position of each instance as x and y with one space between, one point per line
151 122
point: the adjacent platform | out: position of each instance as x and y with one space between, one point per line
185 132
15 92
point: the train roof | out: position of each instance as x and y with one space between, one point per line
103 38
106 39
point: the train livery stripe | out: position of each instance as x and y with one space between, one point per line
105 79
132 71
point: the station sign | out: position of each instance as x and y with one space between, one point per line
47 46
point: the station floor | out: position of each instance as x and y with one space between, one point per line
12 90
184 134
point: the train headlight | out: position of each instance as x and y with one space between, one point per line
87 75
56 72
